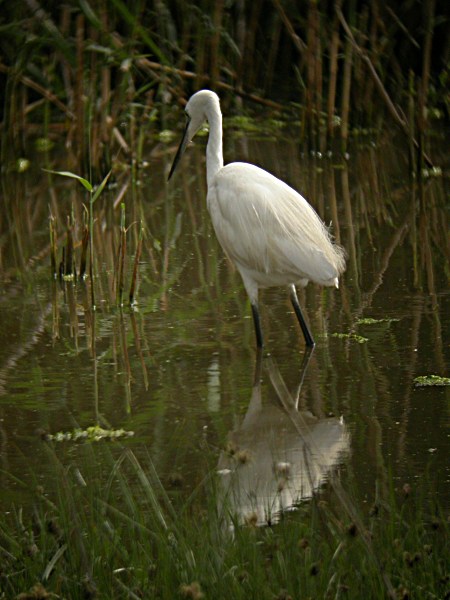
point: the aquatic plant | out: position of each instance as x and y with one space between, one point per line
350 336
95 433
431 380
94 193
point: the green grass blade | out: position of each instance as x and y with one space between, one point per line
51 564
133 22
99 190
82 180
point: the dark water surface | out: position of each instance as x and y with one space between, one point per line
179 370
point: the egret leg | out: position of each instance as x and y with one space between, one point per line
257 322
298 311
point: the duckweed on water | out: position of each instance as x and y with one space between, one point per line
90 434
431 380
371 321
351 336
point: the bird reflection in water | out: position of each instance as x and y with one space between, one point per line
279 455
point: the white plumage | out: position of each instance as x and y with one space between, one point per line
270 232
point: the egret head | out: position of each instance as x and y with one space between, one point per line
198 110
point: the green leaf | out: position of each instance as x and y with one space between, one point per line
82 180
99 190
135 23
90 14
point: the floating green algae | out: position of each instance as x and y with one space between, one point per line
431 380
90 434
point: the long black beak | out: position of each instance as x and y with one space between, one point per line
181 148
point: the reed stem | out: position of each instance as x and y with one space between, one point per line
136 266
52 225
68 263
84 244
121 257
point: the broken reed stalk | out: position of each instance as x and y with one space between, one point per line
121 257
136 266
52 225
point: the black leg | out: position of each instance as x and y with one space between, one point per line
256 321
298 311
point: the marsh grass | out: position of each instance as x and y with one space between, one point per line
121 534
67 270
103 75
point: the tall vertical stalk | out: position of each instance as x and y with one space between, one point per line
215 41
332 81
52 225
68 267
424 83
310 67
136 265
93 195
120 276
79 88
91 248
346 85
84 243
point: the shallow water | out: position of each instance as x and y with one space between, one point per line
179 370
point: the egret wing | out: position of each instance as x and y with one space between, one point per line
265 225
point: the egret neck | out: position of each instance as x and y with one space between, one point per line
214 153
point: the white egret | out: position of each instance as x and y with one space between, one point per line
270 232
